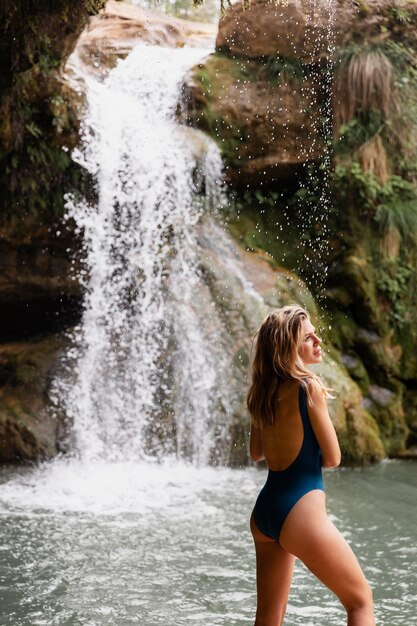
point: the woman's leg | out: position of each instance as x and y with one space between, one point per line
274 568
310 535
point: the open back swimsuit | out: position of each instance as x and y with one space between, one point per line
284 488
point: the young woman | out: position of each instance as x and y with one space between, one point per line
291 430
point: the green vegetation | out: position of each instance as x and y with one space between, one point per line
280 68
380 102
392 203
393 281
357 131
38 125
38 166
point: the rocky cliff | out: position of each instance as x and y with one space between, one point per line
264 97
306 173
39 298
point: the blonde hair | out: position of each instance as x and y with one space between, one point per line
277 359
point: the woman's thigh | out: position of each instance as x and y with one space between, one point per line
309 534
274 569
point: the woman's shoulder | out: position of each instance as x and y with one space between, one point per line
314 390
314 385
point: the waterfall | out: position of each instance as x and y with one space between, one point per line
146 375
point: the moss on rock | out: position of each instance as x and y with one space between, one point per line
260 123
39 124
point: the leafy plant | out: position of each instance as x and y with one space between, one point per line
398 208
393 281
376 86
391 204
358 130
278 67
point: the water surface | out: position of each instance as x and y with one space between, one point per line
119 544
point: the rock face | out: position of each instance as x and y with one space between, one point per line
38 122
306 30
262 124
27 428
270 59
258 103
295 30
39 293
260 94
38 290
38 297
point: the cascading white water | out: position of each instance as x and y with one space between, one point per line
147 373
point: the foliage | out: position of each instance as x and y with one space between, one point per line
38 122
393 203
36 163
398 54
393 281
358 130
256 198
364 81
216 76
398 208
280 68
369 99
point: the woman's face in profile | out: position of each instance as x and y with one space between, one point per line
309 349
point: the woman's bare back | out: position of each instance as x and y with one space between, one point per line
282 442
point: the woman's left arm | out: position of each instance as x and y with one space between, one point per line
255 444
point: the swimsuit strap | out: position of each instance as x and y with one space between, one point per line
302 403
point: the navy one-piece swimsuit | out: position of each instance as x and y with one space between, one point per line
284 488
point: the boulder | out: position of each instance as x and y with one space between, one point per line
28 428
39 291
298 29
259 96
306 30
262 125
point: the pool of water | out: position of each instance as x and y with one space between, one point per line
119 544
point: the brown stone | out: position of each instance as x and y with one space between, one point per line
308 29
28 428
298 29
263 126
38 290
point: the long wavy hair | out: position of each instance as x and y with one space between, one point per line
276 359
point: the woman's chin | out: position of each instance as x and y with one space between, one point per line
314 359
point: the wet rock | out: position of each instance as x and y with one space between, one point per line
349 361
243 292
379 352
38 289
28 430
387 408
304 30
381 395
262 127
410 410
356 370
297 29
259 95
